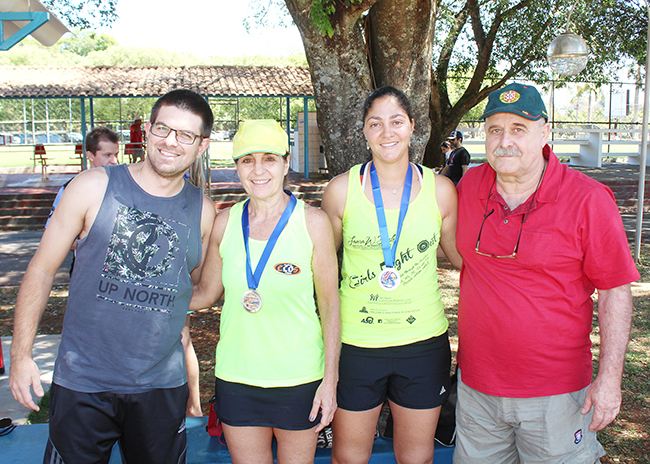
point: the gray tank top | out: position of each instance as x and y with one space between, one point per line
130 291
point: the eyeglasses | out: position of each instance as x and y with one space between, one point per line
514 253
184 137
521 226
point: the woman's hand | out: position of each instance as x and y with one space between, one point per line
325 401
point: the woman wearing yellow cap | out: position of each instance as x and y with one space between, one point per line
277 362
390 216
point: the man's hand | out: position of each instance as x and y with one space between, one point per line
606 401
193 410
23 374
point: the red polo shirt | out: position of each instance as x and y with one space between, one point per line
524 323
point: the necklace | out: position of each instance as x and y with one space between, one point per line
393 187
140 172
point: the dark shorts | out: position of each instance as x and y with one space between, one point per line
286 408
414 376
149 426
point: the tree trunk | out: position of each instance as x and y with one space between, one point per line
401 42
341 79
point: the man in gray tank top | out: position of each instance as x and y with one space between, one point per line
143 231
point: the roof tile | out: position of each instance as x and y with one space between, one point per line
152 81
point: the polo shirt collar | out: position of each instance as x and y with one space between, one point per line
548 190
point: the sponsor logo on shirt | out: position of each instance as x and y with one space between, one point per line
287 268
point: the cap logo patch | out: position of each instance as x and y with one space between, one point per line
510 96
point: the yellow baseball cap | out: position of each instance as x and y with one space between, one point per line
259 136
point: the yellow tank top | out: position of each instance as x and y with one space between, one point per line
282 344
372 317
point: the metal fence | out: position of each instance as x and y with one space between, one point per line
59 120
583 104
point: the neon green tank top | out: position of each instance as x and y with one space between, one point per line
372 317
282 344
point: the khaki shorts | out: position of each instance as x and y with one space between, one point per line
548 429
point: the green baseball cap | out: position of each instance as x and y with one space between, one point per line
522 100
259 136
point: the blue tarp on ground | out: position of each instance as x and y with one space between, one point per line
26 445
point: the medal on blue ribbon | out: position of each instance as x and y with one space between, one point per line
251 300
389 278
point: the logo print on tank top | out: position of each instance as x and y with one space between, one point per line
143 261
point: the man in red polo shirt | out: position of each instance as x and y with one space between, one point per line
537 239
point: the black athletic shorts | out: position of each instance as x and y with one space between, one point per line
414 376
149 426
286 408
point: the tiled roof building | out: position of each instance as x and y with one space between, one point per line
152 81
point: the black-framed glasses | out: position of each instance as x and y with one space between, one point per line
184 137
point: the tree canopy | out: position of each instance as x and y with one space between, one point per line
83 14
354 46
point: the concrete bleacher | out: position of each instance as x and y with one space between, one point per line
26 444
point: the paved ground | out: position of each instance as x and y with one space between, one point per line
45 349
16 250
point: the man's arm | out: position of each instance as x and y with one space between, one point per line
465 162
210 287
67 222
191 361
615 319
192 366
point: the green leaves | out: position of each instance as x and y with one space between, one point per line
322 10
84 14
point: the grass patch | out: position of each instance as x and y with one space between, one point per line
43 415
626 439
16 156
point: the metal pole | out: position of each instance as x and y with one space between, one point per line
644 148
82 102
288 119
92 112
305 118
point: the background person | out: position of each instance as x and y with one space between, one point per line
537 238
276 363
102 148
137 139
446 150
394 330
458 160
143 230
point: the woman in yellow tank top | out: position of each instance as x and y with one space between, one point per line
277 360
391 216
